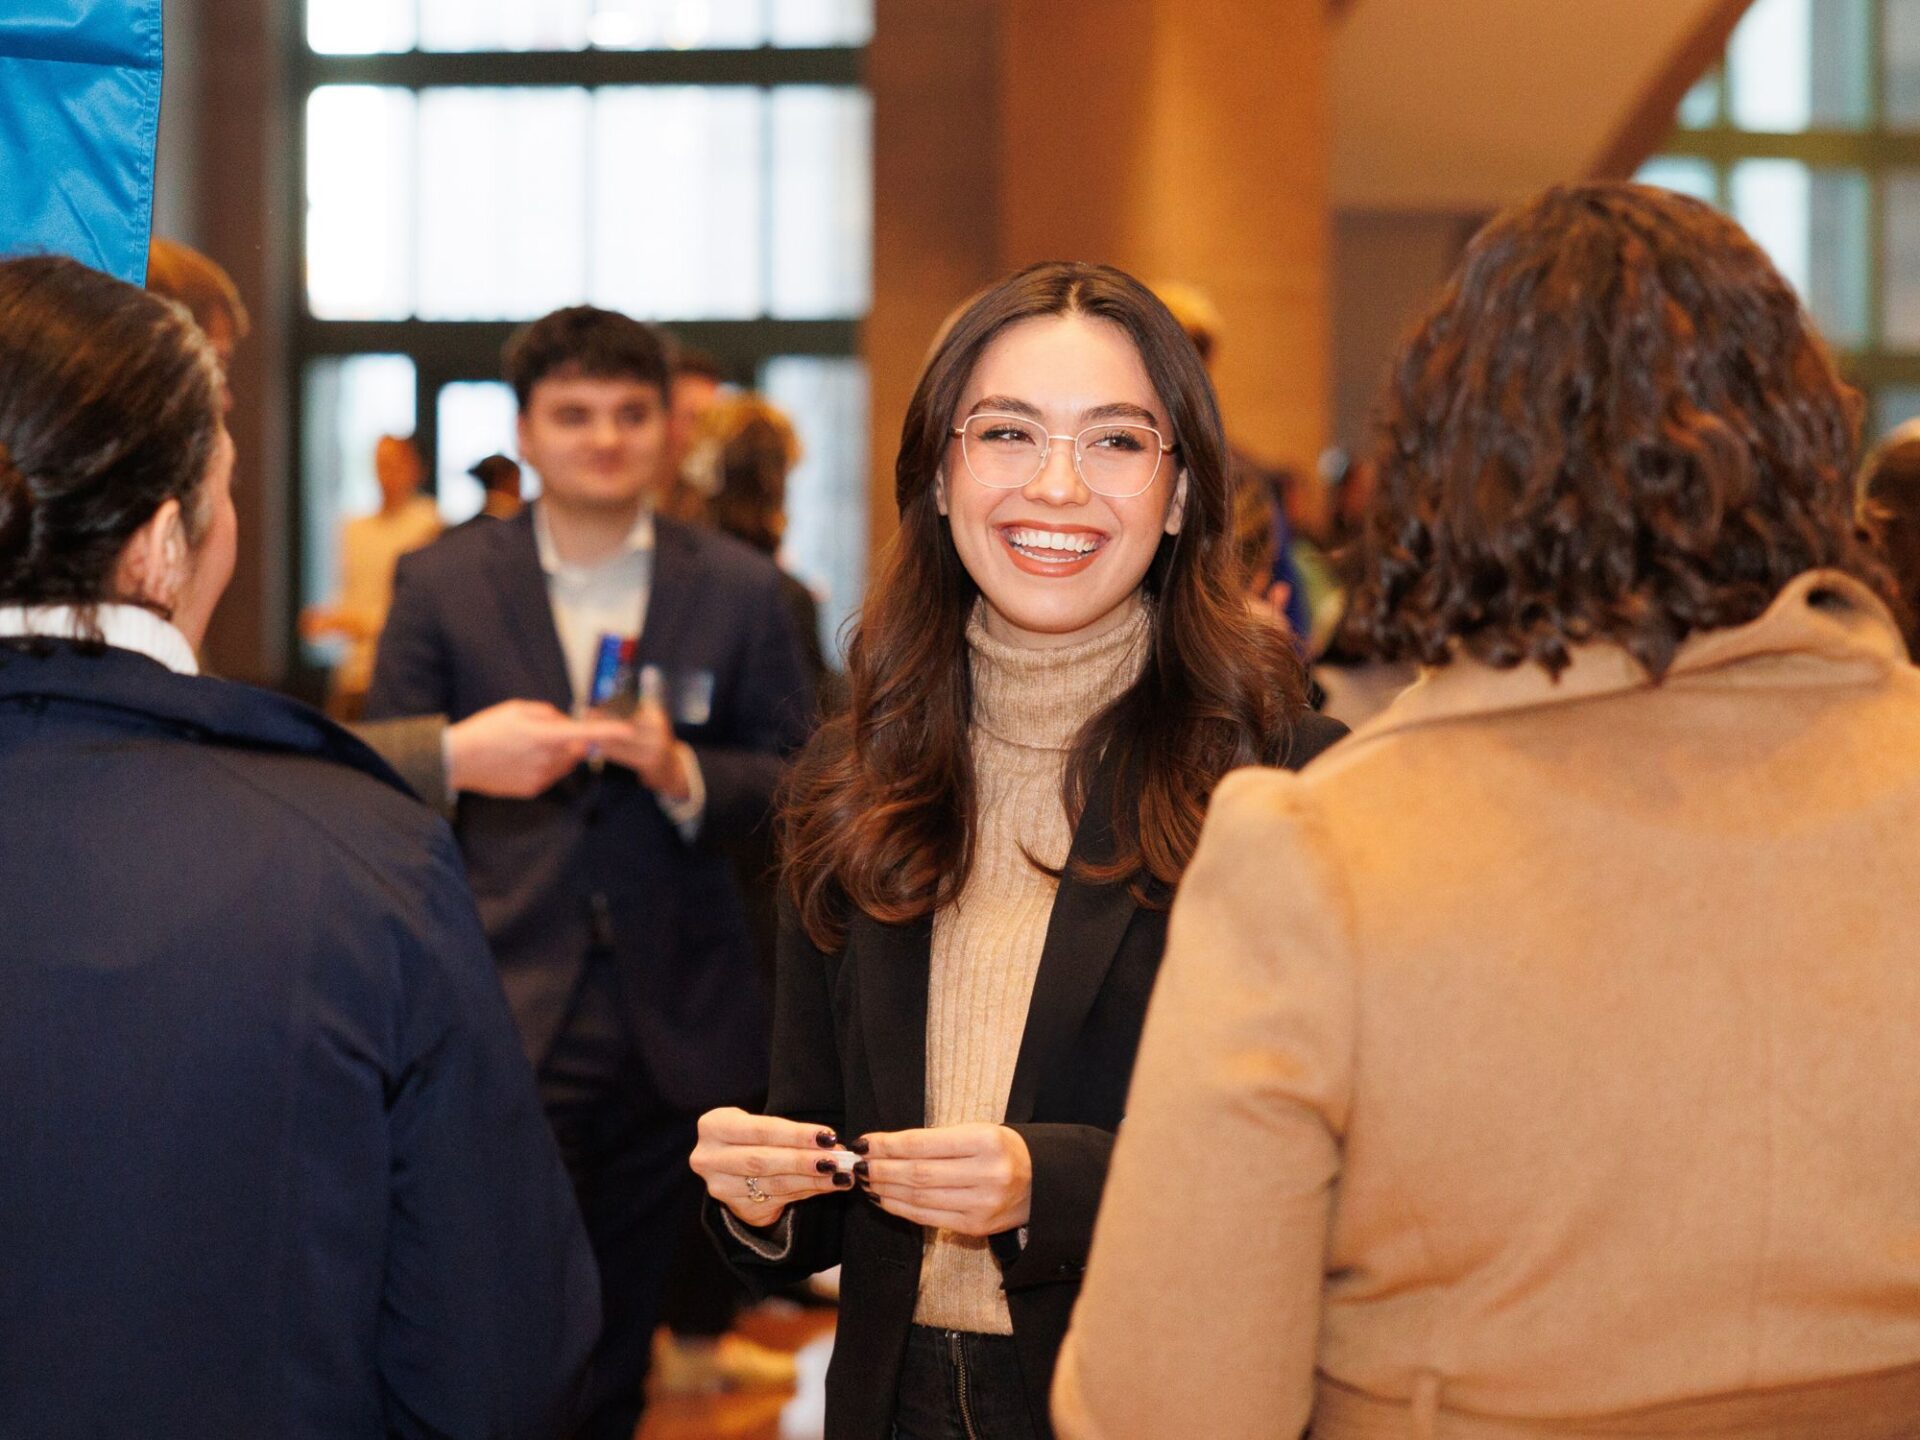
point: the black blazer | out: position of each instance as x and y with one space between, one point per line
850 1053
595 860
271 1161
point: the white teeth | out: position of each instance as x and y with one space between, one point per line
1075 544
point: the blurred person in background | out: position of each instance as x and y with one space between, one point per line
1890 496
500 479
697 385
211 297
370 547
744 449
736 469
1051 672
271 1162
514 749
1200 318
1560 1091
610 898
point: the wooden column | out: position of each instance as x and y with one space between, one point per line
1178 139
238 97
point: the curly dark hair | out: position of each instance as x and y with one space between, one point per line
1890 500
1616 424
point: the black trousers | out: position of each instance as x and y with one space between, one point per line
958 1385
626 1151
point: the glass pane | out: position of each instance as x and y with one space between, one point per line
798 24
680 24
360 202
1894 406
1700 109
1901 57
689 243
1901 245
1814 225
1677 172
359 27
822 201
475 419
504 24
1799 65
826 542
503 202
350 402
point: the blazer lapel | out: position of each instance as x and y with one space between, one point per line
1083 935
521 592
893 962
671 592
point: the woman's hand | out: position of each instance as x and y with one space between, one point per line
971 1179
757 1165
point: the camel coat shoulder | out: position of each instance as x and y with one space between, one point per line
1545 1055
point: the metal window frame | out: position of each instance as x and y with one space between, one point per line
1874 150
445 352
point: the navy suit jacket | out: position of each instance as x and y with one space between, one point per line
595 860
271 1162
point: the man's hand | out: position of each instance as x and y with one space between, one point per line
519 748
646 746
971 1179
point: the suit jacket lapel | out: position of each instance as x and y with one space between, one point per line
521 592
671 592
893 963
1083 935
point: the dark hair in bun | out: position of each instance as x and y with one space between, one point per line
108 409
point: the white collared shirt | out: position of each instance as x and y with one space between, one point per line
125 627
611 597
589 601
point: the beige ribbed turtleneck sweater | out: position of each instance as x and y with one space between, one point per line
1028 704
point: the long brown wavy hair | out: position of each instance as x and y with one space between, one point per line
1617 423
879 814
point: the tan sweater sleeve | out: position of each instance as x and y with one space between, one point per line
1201 1308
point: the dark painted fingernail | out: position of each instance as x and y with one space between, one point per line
858 1147
825 1139
842 1181
825 1167
860 1171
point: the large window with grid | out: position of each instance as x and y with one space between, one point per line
1808 133
466 165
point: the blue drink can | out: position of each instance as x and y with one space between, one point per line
615 674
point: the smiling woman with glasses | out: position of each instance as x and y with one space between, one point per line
1050 675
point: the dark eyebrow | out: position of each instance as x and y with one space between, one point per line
1123 410
1118 410
1005 405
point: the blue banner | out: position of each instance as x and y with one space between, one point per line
79 121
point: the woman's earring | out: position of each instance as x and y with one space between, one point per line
1177 508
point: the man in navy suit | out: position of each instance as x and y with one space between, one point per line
609 900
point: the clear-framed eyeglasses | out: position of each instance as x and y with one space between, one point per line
1117 459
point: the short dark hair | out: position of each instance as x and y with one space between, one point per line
689 361
585 341
109 407
1616 424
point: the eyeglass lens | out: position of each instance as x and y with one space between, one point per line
1005 453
